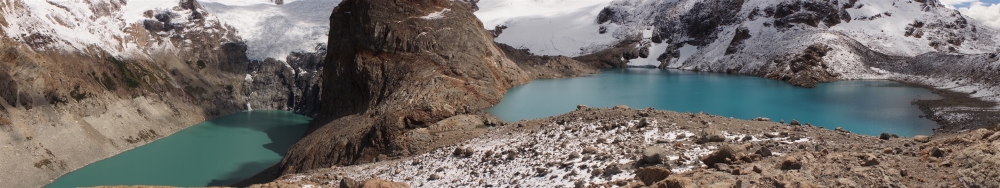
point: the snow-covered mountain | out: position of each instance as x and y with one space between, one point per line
803 42
134 28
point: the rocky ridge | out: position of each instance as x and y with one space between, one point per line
593 147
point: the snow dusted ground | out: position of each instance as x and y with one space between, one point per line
550 27
556 154
270 30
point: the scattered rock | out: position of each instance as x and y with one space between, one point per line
737 171
921 138
596 172
574 155
643 123
458 151
769 135
589 150
653 155
719 156
707 136
761 119
612 169
937 152
581 107
434 177
620 107
540 171
675 182
790 163
349 183
794 122
884 136
468 152
763 152
869 160
651 175
757 169
511 155
723 167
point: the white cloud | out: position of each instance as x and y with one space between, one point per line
988 14
951 3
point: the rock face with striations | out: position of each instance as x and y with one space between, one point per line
398 72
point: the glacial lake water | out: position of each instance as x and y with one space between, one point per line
865 106
220 151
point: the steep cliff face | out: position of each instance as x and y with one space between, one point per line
402 77
395 68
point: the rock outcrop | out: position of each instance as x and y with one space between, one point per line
804 157
401 78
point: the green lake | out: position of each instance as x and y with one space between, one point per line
864 106
220 151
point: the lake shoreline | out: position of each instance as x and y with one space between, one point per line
956 104
942 111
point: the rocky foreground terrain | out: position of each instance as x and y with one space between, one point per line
606 147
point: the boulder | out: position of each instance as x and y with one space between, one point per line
643 123
719 156
458 152
794 122
937 152
921 138
653 155
869 160
589 150
620 107
651 175
612 169
709 135
764 152
884 136
434 177
761 119
349 183
790 163
581 107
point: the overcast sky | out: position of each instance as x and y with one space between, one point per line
987 11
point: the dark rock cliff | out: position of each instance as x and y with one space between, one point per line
396 66
403 76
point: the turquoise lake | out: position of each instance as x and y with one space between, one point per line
220 151
866 106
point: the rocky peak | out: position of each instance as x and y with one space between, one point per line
393 68
430 42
